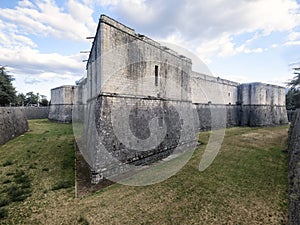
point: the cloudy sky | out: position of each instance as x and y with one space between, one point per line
241 40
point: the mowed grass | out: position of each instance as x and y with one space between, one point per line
34 168
246 184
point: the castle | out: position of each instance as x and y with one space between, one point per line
140 101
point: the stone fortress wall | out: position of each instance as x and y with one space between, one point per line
13 120
62 99
294 169
13 123
134 84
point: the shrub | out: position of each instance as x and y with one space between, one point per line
83 220
4 201
19 173
7 181
62 184
18 194
22 178
3 212
9 174
32 166
7 163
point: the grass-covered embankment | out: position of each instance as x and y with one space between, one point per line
246 184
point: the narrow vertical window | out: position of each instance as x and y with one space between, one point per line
156 75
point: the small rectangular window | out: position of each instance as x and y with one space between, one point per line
160 121
156 75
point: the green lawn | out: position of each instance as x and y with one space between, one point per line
246 184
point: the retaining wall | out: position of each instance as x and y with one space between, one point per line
13 122
35 112
294 169
212 115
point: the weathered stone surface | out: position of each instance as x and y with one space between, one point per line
62 99
294 169
13 122
133 83
36 112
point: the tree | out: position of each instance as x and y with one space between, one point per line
295 82
7 91
21 99
293 95
31 98
291 99
44 101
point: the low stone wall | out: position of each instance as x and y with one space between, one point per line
13 122
212 115
294 169
35 112
263 115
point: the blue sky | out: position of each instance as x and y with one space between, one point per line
241 40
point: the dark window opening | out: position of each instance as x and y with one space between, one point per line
156 75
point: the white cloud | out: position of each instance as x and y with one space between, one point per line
293 39
46 18
292 43
294 36
209 26
28 60
207 18
43 18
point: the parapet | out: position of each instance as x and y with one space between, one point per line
213 79
111 22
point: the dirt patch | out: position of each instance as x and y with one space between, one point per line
84 186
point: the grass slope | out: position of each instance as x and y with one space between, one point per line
246 184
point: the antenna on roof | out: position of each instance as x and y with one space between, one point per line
90 37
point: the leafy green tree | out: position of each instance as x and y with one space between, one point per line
44 101
21 99
7 90
31 98
291 99
295 82
293 96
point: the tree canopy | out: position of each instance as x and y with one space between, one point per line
8 94
295 82
293 95
7 90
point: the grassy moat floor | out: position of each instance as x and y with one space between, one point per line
246 184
